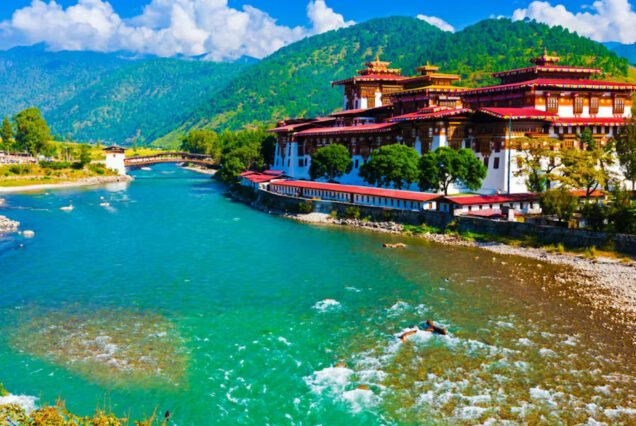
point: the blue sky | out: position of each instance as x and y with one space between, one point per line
227 29
293 12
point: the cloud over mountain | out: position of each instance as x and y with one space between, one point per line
605 20
165 28
437 22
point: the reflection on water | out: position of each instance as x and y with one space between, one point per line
110 346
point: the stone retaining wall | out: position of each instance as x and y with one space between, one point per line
623 243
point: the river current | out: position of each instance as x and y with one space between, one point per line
163 294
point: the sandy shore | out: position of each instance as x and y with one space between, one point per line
607 282
202 170
100 180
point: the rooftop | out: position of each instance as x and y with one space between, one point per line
365 128
361 190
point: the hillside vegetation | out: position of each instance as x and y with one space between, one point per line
295 81
111 97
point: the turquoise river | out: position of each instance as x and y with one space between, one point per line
165 295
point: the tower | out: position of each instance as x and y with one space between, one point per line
115 157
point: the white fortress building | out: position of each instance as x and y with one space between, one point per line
429 110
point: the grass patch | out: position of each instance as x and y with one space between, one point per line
421 229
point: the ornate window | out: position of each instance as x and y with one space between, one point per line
553 104
594 105
619 105
578 105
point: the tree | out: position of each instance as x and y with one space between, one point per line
391 165
231 168
32 133
538 161
85 154
445 166
330 162
622 212
202 142
268 150
559 202
581 170
626 151
7 135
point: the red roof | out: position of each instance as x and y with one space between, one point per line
555 82
440 112
547 68
360 111
519 113
597 193
261 177
359 190
296 126
369 77
365 128
590 121
468 200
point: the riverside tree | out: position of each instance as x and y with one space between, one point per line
445 166
538 161
330 162
626 152
201 142
559 202
32 134
391 166
581 170
7 135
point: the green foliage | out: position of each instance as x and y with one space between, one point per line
32 134
420 229
294 81
538 162
268 150
330 162
202 142
7 135
622 212
305 207
445 166
583 169
352 212
20 169
391 166
85 154
595 215
626 151
55 165
559 202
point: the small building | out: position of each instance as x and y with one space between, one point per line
259 180
490 205
359 195
115 159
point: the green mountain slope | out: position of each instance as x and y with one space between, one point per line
294 81
108 96
31 76
141 101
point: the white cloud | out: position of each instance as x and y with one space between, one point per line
324 18
605 20
437 22
164 28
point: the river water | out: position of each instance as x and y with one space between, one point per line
172 297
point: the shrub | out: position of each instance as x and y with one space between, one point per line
305 207
333 214
97 168
20 169
55 165
590 252
352 213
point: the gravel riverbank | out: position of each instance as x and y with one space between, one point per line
608 283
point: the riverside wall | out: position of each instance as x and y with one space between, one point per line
573 238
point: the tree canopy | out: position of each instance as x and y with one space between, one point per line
202 142
330 162
559 202
7 135
32 133
626 151
391 166
445 166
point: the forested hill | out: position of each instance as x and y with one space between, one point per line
113 97
295 81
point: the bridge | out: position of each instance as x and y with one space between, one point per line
170 157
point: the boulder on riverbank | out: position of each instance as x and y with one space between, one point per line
7 225
394 246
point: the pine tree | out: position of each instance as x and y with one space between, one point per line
7 135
